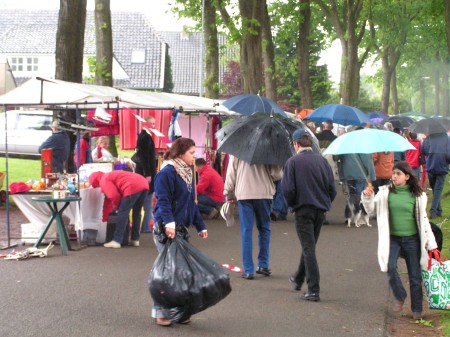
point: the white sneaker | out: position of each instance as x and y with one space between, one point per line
134 243
112 244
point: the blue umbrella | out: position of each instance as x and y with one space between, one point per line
368 141
247 104
339 113
373 115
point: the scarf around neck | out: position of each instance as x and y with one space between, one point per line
183 170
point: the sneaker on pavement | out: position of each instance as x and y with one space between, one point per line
134 243
112 244
398 305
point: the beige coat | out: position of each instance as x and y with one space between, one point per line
246 182
379 202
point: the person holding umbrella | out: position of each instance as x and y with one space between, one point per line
253 188
436 148
403 226
309 195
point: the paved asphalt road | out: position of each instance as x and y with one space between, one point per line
103 292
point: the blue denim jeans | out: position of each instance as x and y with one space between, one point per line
437 182
206 204
279 204
134 202
249 210
410 247
148 213
308 222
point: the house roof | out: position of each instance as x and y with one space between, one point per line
185 56
34 32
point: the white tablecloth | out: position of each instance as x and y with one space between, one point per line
86 215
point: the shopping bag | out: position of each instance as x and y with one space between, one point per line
184 281
436 280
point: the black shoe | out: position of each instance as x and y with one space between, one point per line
273 216
326 222
313 297
264 271
248 276
295 285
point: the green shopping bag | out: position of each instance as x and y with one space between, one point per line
436 280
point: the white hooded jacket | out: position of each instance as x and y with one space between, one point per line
380 203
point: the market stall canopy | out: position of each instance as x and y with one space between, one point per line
189 103
48 92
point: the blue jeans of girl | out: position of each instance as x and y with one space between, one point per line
410 247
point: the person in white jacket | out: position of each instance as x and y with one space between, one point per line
403 227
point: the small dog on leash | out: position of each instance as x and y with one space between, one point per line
357 211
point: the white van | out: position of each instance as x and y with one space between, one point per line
27 130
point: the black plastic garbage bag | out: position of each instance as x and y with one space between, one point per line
184 281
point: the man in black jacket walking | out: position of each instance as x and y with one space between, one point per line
308 187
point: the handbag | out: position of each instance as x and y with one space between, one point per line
135 158
436 280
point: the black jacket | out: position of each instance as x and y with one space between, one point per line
145 147
308 181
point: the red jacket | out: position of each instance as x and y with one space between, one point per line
210 183
118 184
412 156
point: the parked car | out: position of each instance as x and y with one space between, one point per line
27 130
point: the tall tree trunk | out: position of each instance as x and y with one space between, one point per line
437 87
69 52
70 40
252 12
104 44
446 76
445 91
394 92
345 20
104 53
268 52
212 50
304 82
387 76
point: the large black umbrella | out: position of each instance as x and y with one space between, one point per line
399 121
247 104
260 138
445 121
428 126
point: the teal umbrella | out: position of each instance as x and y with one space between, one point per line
368 141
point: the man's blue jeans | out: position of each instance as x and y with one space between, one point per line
206 204
249 210
410 246
148 213
134 202
308 222
437 182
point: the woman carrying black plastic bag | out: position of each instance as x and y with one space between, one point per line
175 203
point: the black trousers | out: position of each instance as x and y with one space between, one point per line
308 223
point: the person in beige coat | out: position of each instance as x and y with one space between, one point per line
253 187
403 227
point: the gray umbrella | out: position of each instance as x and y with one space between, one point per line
259 139
428 126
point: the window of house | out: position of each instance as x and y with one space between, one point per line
25 63
138 56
